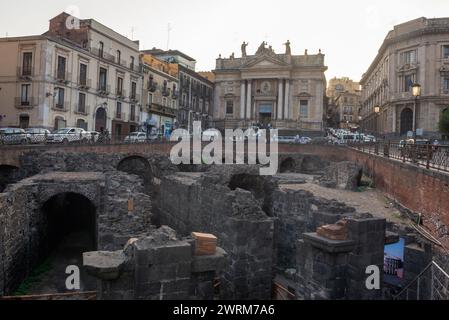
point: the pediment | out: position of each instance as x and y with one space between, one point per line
265 62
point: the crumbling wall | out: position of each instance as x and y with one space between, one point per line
159 266
205 202
23 223
301 163
342 175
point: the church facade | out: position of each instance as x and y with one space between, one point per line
282 91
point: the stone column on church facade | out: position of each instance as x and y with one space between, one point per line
249 100
280 99
242 100
287 99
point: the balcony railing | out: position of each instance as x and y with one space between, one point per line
104 90
82 109
85 83
134 118
134 97
26 103
119 116
121 94
152 86
175 94
166 92
24 72
103 55
61 107
63 76
134 67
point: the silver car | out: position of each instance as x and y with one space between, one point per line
13 136
37 135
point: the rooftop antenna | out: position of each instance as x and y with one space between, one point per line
169 29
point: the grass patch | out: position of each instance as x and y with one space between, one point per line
34 278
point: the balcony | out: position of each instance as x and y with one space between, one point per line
152 86
84 84
104 90
61 107
119 116
175 94
82 110
26 103
166 92
134 67
121 94
63 76
135 98
25 73
134 118
103 55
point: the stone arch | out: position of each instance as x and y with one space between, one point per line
101 119
67 229
406 120
8 174
288 165
140 166
59 122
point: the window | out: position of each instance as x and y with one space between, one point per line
304 108
173 104
409 57
83 74
132 63
25 94
101 49
27 64
230 107
118 111
119 57
446 84
81 103
103 79
119 86
408 82
80 123
150 99
133 113
61 68
446 52
133 90
60 97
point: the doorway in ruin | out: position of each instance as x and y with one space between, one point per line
288 166
138 166
101 120
8 174
258 186
68 228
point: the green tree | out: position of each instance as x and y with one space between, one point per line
444 122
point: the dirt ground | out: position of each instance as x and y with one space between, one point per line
369 201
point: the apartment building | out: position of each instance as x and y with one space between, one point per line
79 73
160 93
413 53
195 91
344 103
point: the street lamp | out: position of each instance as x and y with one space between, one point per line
416 91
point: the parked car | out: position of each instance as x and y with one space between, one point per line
305 140
139 137
37 135
69 135
286 139
13 136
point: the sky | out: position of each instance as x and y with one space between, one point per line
349 32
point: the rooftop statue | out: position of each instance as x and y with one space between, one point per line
244 45
288 50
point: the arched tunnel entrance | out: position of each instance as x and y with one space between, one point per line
138 166
8 174
68 230
288 166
